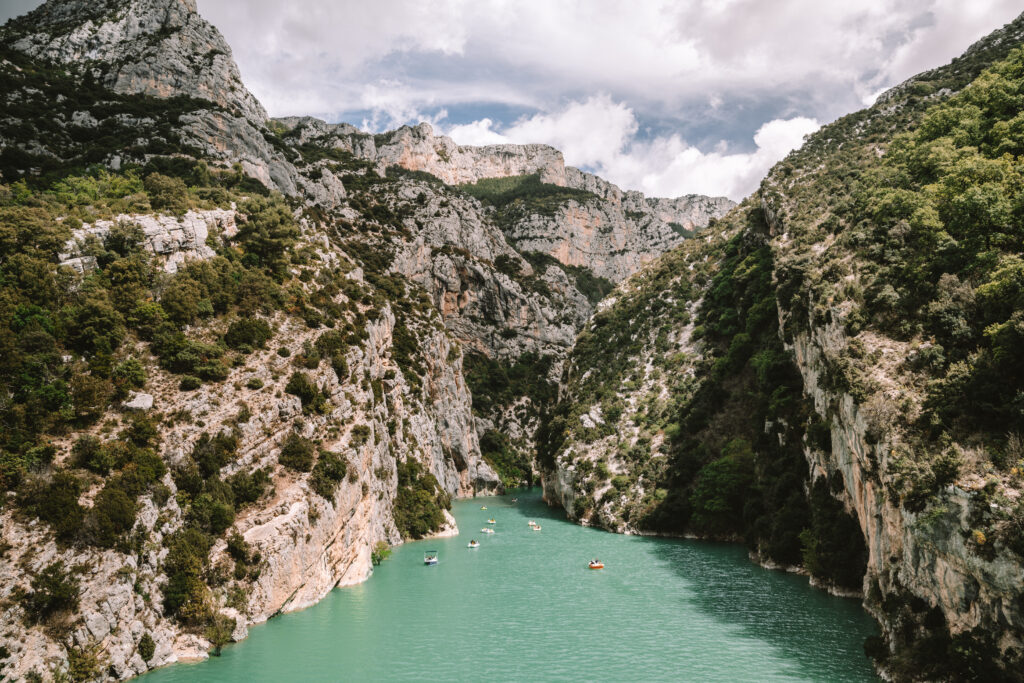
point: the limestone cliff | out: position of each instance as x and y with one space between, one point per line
613 233
388 280
783 381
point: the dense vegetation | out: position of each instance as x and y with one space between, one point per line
524 193
420 502
721 473
67 343
944 229
901 225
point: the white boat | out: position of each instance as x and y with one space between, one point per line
532 523
473 544
487 530
492 521
536 527
430 557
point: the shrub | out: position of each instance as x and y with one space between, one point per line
84 664
112 514
166 193
381 551
251 332
212 453
54 590
419 504
238 548
329 471
90 453
297 453
128 374
300 385
254 383
359 436
248 487
56 502
190 383
147 648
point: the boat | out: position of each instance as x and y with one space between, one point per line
532 523
483 507
536 527
473 544
515 500
491 521
487 530
430 557
596 564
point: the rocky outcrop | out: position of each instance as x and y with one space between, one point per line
161 48
612 234
453 255
927 556
308 545
172 239
418 149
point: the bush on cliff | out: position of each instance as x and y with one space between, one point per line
420 502
54 590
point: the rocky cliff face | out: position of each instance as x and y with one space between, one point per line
163 49
308 544
413 274
613 233
823 443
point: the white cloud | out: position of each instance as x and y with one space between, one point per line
601 72
658 54
601 135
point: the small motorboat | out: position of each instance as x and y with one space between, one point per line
515 500
532 523
430 557
491 521
536 527
483 507
596 564
473 544
487 530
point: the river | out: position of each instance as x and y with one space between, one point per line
524 606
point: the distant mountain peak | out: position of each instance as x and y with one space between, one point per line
162 48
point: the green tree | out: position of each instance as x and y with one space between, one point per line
267 232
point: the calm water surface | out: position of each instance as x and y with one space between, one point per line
525 607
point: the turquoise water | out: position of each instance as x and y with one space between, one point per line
525 607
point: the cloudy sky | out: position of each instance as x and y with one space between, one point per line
665 96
